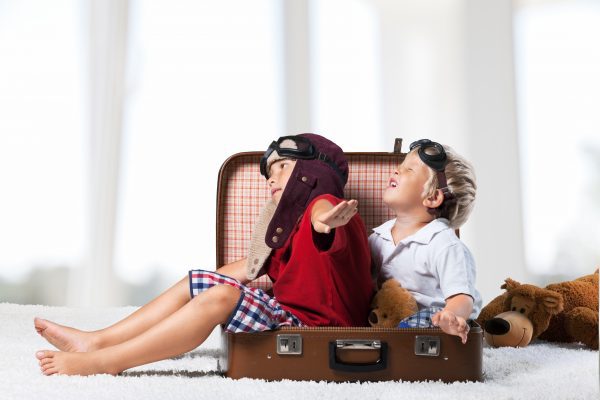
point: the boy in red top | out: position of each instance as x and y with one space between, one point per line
309 241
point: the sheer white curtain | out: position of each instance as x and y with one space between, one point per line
61 102
94 282
43 167
558 70
115 117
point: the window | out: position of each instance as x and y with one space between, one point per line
42 159
558 82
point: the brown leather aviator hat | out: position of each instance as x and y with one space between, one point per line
321 168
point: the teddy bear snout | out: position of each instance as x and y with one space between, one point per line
497 326
373 318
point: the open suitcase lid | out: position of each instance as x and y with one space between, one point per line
242 192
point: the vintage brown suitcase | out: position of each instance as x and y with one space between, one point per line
331 353
354 354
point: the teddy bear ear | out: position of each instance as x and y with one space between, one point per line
551 301
390 283
510 284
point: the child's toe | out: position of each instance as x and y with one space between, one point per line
40 355
45 361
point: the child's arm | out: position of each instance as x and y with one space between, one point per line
452 319
235 270
325 216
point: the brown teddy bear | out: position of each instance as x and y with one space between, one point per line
560 312
391 304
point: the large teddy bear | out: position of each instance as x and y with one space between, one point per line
560 312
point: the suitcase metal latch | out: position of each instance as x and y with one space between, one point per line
427 346
289 344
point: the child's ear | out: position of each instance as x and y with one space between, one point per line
435 200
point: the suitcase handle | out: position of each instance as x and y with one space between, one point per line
360 345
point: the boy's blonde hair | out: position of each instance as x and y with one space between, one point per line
461 182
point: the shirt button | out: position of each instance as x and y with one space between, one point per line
255 261
304 179
275 239
253 270
279 230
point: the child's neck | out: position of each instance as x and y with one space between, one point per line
406 225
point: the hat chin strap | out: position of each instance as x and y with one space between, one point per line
259 251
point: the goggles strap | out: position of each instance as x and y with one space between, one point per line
442 182
449 198
323 157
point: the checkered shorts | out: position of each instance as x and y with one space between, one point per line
255 311
422 319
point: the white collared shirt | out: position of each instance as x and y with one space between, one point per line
432 264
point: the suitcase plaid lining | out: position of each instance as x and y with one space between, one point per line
244 191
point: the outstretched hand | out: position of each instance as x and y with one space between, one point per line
452 324
324 219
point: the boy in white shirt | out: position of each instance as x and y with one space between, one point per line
432 193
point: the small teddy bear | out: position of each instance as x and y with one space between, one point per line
391 304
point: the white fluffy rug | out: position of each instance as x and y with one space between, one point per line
540 371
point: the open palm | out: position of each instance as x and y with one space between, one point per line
337 216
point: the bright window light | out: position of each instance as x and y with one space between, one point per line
558 76
42 159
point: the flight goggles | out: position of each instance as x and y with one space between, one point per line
304 150
434 156
431 153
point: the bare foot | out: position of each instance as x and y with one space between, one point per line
65 338
58 362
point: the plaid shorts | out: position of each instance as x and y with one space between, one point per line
422 319
255 311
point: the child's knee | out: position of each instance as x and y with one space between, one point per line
227 294
220 295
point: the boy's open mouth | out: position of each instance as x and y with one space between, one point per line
392 183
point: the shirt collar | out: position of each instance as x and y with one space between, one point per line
423 235
385 230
